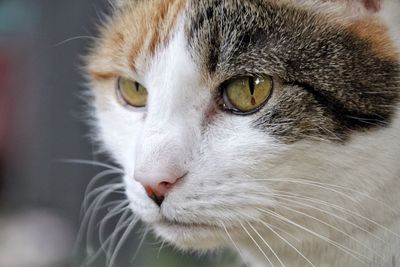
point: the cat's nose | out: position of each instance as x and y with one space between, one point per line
157 186
157 194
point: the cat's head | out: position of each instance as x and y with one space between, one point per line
221 111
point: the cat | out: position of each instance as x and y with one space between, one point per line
267 126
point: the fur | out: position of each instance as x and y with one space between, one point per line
312 179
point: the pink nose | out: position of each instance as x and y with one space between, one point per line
156 188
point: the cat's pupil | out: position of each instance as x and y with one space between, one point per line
252 88
251 85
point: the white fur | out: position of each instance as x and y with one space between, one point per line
232 170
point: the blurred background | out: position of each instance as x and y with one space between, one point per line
41 122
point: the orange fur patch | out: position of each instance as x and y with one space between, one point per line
155 20
164 21
135 48
375 33
132 36
119 38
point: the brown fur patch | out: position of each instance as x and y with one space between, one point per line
376 34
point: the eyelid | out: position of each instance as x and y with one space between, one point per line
103 75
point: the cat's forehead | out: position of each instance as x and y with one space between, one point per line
139 28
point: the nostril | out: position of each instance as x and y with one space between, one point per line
157 197
157 193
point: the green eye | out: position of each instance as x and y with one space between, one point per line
246 94
132 92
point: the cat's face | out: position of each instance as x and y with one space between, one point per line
327 87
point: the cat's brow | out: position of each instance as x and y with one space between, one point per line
133 36
157 18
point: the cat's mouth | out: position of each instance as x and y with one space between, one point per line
189 235
175 223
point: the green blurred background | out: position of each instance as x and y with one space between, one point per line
41 121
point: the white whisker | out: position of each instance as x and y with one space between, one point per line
308 181
95 192
288 196
160 249
124 221
334 228
95 209
305 182
109 240
146 231
287 242
75 38
233 242
337 245
121 208
90 162
285 232
86 219
258 246
266 243
89 189
131 226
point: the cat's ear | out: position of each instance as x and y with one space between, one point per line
372 5
351 9
362 6
348 7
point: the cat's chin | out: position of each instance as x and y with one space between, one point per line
190 236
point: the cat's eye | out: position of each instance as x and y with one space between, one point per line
132 92
246 95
